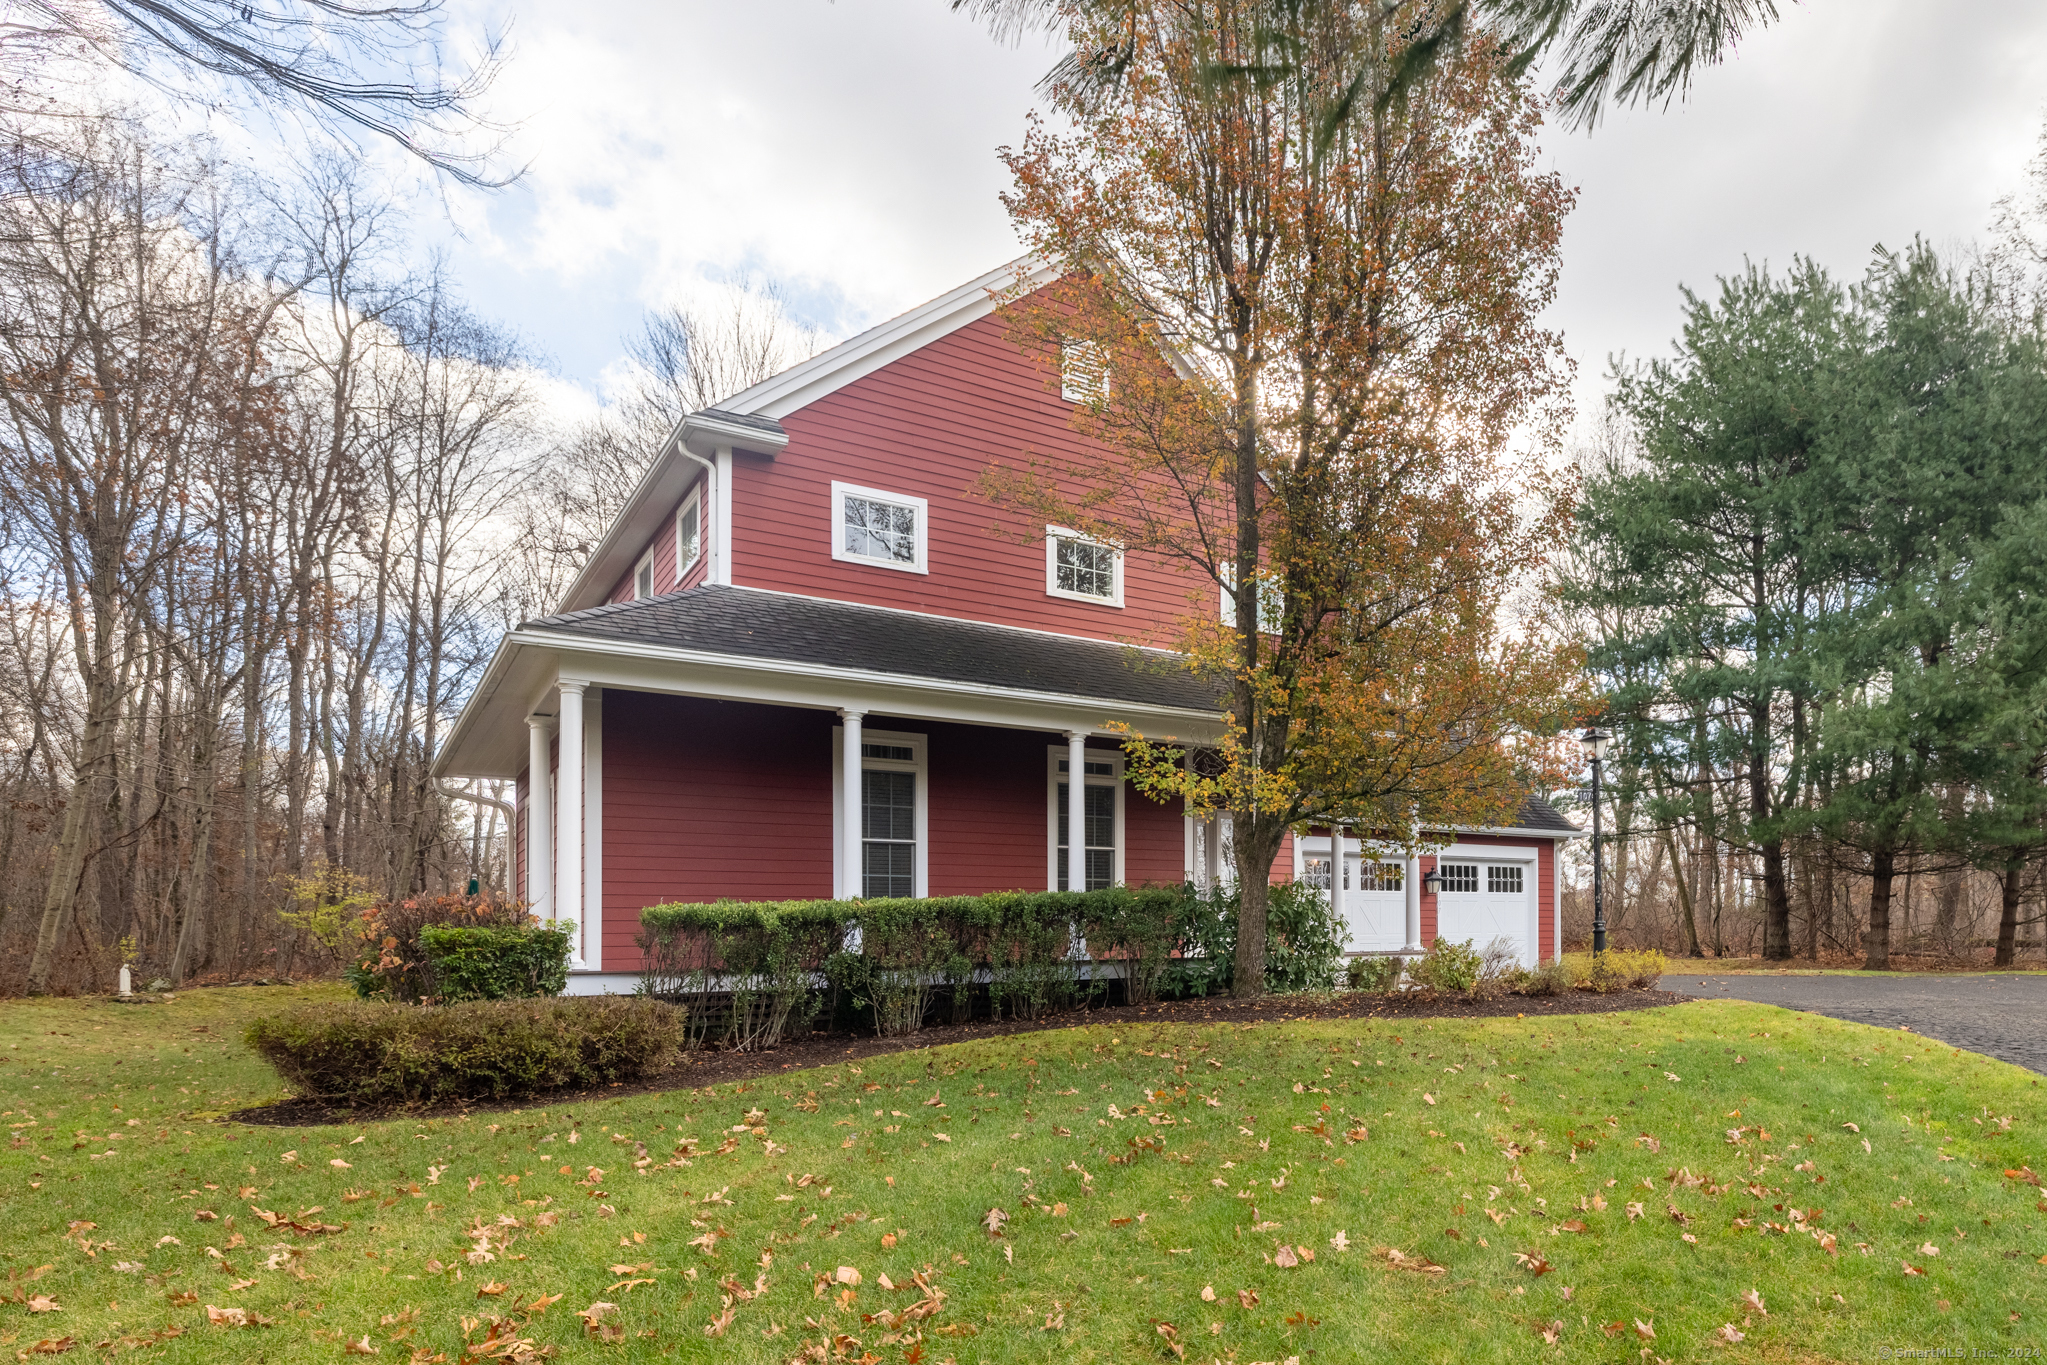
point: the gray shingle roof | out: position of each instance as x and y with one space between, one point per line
750 623
1536 813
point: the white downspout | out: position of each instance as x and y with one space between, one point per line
719 570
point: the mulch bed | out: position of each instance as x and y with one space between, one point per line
698 1069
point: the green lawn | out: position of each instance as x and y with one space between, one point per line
1140 1168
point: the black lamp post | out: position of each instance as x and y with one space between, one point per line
1595 741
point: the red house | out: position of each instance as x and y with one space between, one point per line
800 665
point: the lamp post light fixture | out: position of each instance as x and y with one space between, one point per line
1595 741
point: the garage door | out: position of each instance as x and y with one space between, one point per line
1374 904
1482 901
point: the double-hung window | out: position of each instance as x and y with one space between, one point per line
643 578
689 532
1102 821
870 526
1082 569
893 812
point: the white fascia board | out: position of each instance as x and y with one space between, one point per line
1514 830
853 359
780 682
643 515
703 433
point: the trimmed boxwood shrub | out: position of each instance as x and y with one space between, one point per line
475 963
898 957
379 1055
387 957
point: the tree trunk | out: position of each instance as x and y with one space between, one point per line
2008 915
67 862
1680 876
1883 867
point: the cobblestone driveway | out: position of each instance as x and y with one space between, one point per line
2002 1015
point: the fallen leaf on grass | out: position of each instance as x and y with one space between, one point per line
1728 1332
1340 1241
1400 1260
359 1348
596 1324
1537 1266
1550 1331
1754 1300
43 1303
1645 1330
1911 1269
995 1218
48 1346
338 1164
236 1317
1247 1298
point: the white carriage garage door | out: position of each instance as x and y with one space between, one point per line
1482 899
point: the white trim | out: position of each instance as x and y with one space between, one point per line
568 814
645 566
593 826
691 513
721 513
1055 534
860 356
540 815
842 491
1055 754
590 981
842 789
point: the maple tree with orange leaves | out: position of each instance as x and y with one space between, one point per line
1321 387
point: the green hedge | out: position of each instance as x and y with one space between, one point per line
898 957
471 963
379 1055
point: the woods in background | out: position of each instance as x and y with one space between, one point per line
267 500
1809 561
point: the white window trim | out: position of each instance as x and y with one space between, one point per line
1055 534
646 566
921 863
692 509
1076 359
840 491
1055 755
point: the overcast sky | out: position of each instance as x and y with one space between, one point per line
846 151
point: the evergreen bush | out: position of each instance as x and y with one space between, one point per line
379 1054
472 962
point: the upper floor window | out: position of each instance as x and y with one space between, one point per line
873 527
1081 568
643 578
689 532
1083 372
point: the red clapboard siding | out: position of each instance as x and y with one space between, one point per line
928 425
709 799
663 543
517 892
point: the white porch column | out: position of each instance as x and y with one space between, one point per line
1212 852
1336 871
1412 881
540 816
568 811
1076 810
851 882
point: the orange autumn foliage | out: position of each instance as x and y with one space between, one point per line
1324 391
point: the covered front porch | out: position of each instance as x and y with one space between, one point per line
685 756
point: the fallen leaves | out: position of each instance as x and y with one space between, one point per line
1421 1265
359 1347
597 1322
993 1221
236 1317
1728 1333
48 1346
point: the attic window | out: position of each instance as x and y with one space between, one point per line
1083 569
1083 372
884 529
643 578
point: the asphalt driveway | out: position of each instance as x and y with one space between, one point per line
2002 1015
